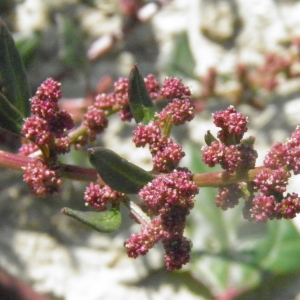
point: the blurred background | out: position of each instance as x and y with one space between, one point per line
229 52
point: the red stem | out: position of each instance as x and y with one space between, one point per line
213 179
14 161
18 162
79 173
216 179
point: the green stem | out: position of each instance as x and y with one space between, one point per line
82 129
138 213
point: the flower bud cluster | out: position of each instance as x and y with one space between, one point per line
105 104
285 155
48 124
46 129
168 199
271 201
233 125
228 196
166 154
95 119
99 197
179 109
230 151
173 87
266 196
153 86
41 178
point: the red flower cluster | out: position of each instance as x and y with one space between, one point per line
166 154
285 155
46 129
106 104
229 151
169 199
173 87
178 110
96 121
48 124
99 197
271 202
233 125
152 85
42 179
228 196
265 195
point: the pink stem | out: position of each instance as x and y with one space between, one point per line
18 162
216 179
213 179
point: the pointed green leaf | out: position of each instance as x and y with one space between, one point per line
140 102
107 221
209 138
118 173
13 80
10 118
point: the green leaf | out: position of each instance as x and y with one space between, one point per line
118 173
140 102
71 51
181 62
107 221
279 252
27 46
13 83
10 118
209 138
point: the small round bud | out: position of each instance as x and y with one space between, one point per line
263 208
168 159
41 180
272 181
37 129
95 120
147 134
180 110
232 123
177 250
99 197
152 85
228 196
121 91
289 207
173 87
